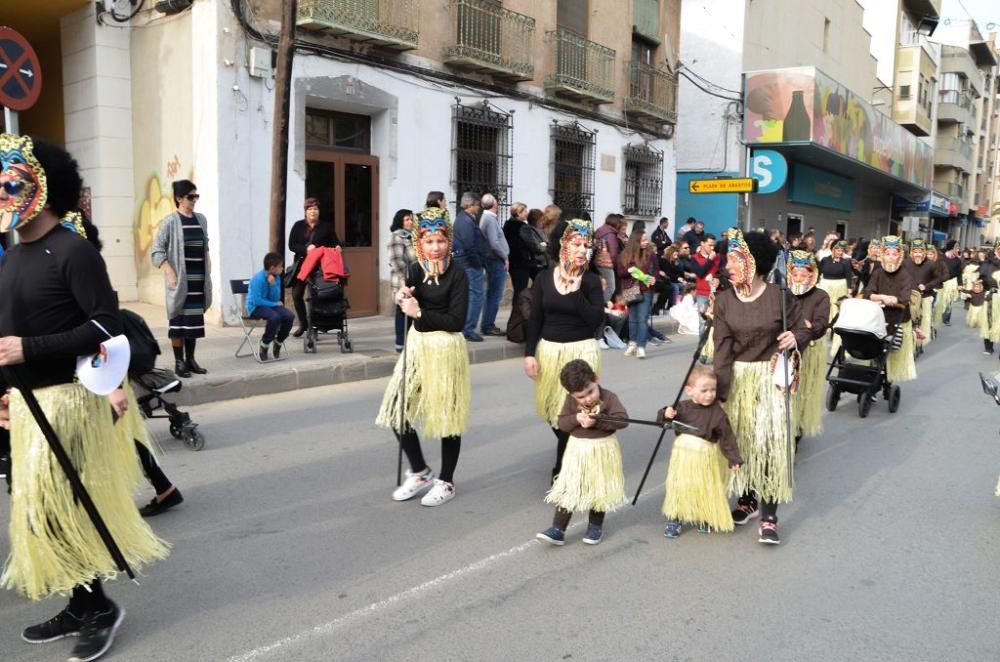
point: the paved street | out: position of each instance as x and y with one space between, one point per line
288 547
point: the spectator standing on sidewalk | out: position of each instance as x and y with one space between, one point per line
520 259
661 235
301 240
704 266
264 303
695 235
535 236
401 256
637 268
469 253
607 247
497 263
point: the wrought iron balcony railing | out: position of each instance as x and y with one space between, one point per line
390 23
652 93
583 69
492 39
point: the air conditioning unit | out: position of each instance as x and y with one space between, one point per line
260 62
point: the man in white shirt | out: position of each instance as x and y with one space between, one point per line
497 265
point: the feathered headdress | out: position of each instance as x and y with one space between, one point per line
741 276
24 180
801 272
432 220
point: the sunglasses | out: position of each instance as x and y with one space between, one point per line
193 197
12 187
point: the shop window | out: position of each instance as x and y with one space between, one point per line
483 144
574 152
643 185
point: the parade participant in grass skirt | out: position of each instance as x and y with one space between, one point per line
867 266
977 317
926 279
749 338
970 274
815 304
592 478
567 308
430 390
946 291
697 485
836 275
892 286
56 293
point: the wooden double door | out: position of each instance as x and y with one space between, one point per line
346 184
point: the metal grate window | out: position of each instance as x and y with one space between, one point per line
574 153
483 145
643 190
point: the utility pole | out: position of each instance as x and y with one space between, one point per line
279 137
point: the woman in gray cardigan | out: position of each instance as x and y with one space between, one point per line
181 251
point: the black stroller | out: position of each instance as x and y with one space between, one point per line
327 311
151 383
859 366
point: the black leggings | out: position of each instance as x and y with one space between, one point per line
562 438
562 517
768 509
84 601
450 449
299 298
152 470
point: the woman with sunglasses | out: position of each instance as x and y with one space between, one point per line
181 251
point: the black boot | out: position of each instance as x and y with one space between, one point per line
181 368
195 368
189 345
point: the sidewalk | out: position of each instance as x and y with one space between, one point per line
373 357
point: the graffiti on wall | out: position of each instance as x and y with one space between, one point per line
157 204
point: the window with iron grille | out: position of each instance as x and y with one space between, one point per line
483 146
643 186
574 152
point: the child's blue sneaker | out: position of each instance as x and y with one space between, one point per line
673 529
593 535
553 536
704 528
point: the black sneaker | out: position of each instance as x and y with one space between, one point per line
746 510
97 634
4 466
262 351
155 507
63 624
277 349
768 532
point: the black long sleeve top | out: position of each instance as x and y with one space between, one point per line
563 317
443 306
838 270
53 289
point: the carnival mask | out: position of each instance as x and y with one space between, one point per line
932 253
22 180
892 253
918 251
73 221
577 235
802 272
874 248
740 263
433 227
839 249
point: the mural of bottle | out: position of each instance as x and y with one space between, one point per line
797 125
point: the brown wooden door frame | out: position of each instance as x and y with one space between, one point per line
365 300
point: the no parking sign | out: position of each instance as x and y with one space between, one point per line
20 72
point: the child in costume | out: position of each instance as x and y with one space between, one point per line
892 286
592 477
696 476
434 365
801 273
926 279
976 317
686 312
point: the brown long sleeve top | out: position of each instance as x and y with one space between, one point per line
712 425
748 330
898 284
609 405
927 274
816 309
975 298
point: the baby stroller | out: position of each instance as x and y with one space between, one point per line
151 384
859 366
326 310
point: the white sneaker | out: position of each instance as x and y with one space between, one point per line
630 350
602 344
640 352
442 492
413 484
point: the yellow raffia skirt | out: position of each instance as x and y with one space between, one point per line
552 356
996 492
812 381
756 411
975 318
837 289
969 275
950 290
696 484
591 478
708 350
926 319
438 386
54 545
994 328
900 366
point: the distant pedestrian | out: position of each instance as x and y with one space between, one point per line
469 251
535 238
401 256
695 235
497 263
520 259
661 235
607 248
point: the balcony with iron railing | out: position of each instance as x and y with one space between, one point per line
955 106
389 23
583 69
954 153
652 94
491 39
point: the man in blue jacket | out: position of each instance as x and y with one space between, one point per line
469 252
264 302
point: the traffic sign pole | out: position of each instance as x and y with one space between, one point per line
10 124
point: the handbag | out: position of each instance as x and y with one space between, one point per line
632 293
288 278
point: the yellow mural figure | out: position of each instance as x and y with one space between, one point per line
154 209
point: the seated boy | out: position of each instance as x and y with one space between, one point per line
264 303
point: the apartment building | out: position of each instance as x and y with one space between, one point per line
814 129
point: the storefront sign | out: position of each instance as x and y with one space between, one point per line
802 105
939 204
908 204
812 186
770 169
741 185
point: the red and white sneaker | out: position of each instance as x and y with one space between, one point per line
442 492
413 484
768 532
746 510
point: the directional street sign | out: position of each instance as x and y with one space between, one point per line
20 73
741 185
